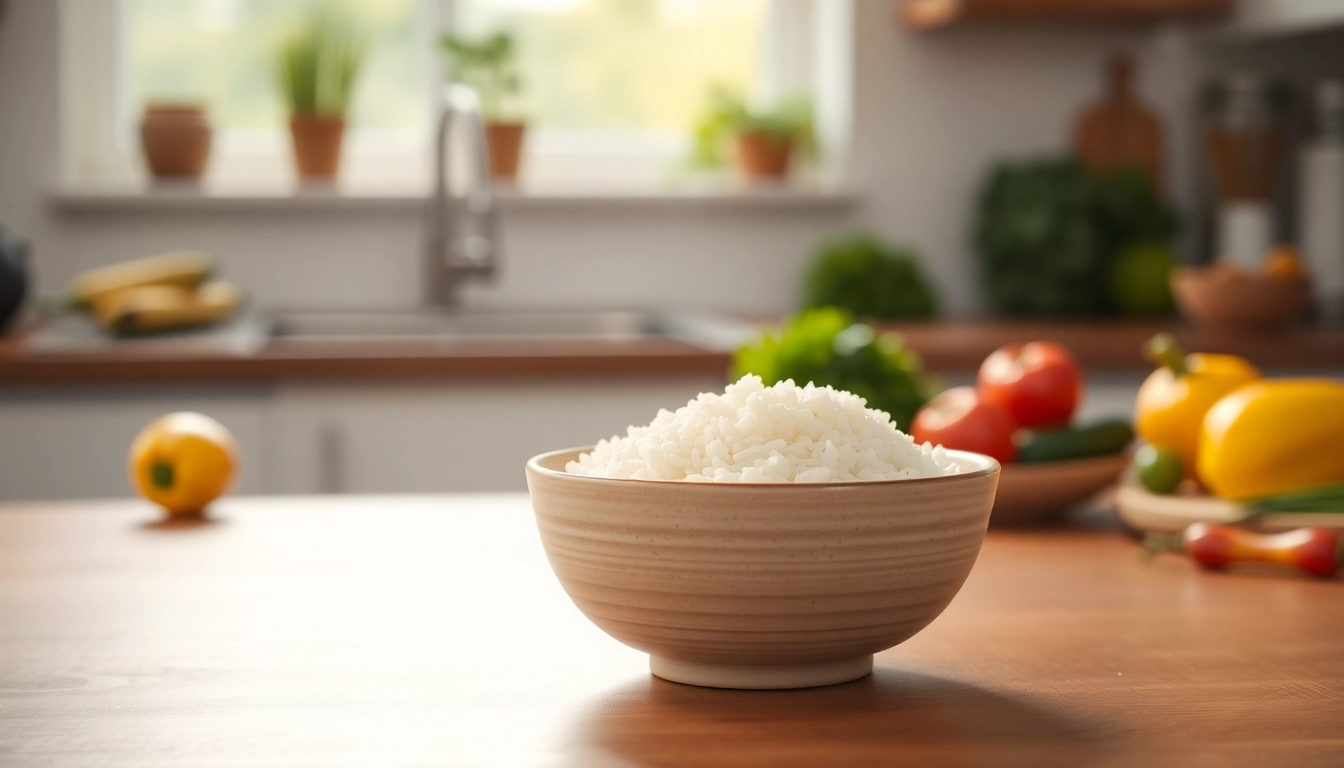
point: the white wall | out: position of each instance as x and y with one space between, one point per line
932 112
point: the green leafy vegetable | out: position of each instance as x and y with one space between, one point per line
317 64
727 115
870 279
1127 212
1048 232
487 64
825 346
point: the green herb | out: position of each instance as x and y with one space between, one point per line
1155 543
1325 499
318 63
825 346
1048 233
727 115
487 64
870 279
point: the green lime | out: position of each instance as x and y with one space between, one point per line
1159 469
1140 280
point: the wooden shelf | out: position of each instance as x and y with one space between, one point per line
940 14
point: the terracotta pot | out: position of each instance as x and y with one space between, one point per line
506 148
764 155
1224 298
761 586
317 145
176 140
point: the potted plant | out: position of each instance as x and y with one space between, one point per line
488 65
175 138
317 65
763 141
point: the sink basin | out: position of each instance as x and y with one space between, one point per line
703 329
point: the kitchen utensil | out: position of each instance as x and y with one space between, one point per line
761 586
1321 195
1146 511
1244 132
1231 299
1036 494
1119 131
13 276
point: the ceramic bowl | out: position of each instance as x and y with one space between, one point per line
1038 494
1227 299
761 586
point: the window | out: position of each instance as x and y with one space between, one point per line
219 52
611 88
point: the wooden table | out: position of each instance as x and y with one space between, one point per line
384 631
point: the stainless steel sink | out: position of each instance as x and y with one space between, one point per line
700 328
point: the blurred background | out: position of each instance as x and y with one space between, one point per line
667 179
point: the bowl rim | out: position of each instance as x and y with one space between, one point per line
986 466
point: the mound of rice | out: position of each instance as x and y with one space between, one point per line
758 434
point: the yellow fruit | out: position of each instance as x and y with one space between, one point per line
1174 398
186 270
1274 437
151 308
183 461
1284 262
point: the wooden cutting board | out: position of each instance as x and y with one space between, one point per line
1119 131
1150 512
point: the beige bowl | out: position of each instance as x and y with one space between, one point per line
761 586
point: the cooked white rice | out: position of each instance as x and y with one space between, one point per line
758 434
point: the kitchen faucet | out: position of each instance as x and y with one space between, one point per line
453 252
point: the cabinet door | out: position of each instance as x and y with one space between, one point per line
450 437
67 443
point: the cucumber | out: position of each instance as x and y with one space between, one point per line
1101 439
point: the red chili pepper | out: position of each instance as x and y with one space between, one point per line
1313 550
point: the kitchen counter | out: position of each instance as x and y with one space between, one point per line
388 630
949 348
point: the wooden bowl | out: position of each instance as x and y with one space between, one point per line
761 586
1229 299
1036 494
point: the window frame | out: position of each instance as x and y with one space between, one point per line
94 108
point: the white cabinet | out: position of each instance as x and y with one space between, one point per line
71 442
454 436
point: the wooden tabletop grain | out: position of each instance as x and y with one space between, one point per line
385 631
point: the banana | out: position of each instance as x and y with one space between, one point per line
154 308
187 269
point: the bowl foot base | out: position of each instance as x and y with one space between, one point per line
760 676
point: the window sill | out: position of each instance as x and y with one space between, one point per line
74 199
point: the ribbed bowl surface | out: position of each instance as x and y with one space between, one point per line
761 574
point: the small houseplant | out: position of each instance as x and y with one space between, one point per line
317 66
488 64
764 141
175 139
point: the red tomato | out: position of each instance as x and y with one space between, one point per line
1038 383
962 420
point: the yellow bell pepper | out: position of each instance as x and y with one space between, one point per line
1274 437
183 461
1173 400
